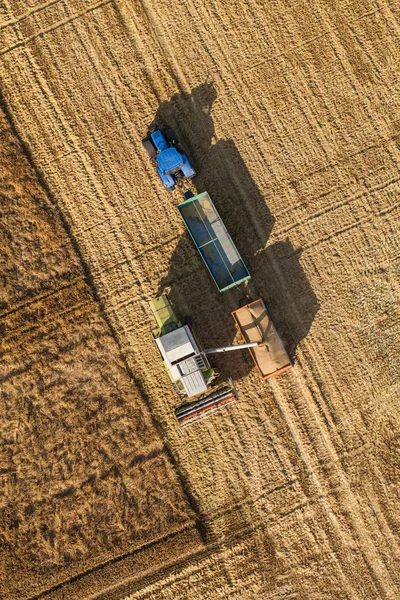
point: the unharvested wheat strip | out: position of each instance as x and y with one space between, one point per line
42 311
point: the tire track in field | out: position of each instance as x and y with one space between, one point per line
321 436
379 125
378 571
370 191
211 41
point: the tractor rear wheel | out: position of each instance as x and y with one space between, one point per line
149 147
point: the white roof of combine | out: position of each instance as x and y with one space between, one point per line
183 359
177 344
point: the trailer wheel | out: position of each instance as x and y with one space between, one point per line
149 147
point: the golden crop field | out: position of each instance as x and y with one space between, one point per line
289 112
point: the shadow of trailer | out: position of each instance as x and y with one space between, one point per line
213 241
255 325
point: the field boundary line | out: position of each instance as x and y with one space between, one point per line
192 560
112 561
43 90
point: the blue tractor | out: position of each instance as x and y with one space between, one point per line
172 164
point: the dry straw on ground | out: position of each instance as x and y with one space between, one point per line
289 112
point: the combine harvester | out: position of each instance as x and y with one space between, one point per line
188 366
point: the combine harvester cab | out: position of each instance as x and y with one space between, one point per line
255 325
212 240
188 366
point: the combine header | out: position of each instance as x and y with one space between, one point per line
188 366
194 411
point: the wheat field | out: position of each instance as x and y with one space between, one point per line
289 112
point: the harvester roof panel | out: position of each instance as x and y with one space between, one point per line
177 345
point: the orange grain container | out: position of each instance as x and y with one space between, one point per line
256 325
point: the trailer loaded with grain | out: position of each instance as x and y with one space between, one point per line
255 325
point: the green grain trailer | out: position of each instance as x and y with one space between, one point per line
213 241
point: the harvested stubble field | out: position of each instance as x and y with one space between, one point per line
290 114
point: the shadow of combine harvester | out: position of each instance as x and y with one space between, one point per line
277 273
